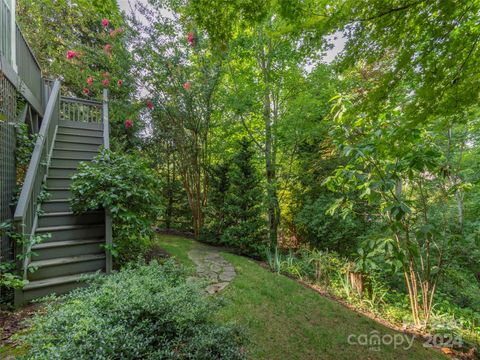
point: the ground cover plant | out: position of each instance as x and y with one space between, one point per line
142 312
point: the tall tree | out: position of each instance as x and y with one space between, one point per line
180 75
243 203
265 69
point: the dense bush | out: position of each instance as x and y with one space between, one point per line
143 312
128 188
325 231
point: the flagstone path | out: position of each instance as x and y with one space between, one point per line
212 267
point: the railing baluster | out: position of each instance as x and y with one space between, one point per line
87 111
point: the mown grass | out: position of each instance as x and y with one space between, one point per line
285 320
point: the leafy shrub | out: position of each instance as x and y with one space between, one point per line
128 188
460 287
142 312
328 231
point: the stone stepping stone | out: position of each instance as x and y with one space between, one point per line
211 266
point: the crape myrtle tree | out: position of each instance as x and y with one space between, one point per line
84 43
179 73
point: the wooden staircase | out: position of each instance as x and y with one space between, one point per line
75 246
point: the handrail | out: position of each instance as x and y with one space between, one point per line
81 101
108 215
28 68
18 62
19 29
80 110
50 120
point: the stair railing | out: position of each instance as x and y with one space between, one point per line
26 213
108 216
81 110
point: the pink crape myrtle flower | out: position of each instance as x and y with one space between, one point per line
90 81
191 38
107 49
115 32
128 124
71 54
105 22
150 104
187 86
86 91
120 83
105 82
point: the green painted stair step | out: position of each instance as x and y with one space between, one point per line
56 205
72 232
68 161
63 266
69 130
55 285
73 152
86 139
75 144
59 182
58 249
58 193
69 218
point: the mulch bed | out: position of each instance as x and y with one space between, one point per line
155 252
13 322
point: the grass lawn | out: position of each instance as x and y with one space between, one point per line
285 320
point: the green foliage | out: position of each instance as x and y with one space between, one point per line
126 186
53 28
428 47
326 231
243 204
221 17
216 220
322 267
142 312
10 276
235 211
25 142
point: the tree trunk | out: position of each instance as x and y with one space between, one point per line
357 282
270 171
270 152
459 195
